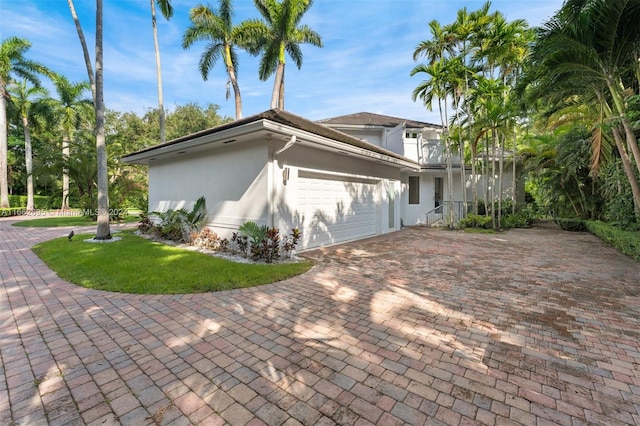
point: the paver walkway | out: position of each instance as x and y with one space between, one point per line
416 327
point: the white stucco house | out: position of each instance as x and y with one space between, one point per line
337 180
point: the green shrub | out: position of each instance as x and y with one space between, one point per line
476 221
40 202
178 224
572 224
628 242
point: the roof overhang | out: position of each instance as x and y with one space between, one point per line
266 129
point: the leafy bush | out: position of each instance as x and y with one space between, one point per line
476 221
628 242
40 202
263 242
208 239
177 225
571 224
522 219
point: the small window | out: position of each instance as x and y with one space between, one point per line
414 189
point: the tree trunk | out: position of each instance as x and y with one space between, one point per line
28 160
275 95
500 179
450 220
4 151
474 179
493 179
281 94
514 181
632 142
628 169
158 69
85 50
486 170
65 172
234 82
103 232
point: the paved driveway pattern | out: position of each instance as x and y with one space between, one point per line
416 327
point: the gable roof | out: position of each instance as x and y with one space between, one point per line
371 119
252 123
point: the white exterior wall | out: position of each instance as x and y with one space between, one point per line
507 185
233 180
415 214
304 160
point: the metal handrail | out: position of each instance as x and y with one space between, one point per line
460 211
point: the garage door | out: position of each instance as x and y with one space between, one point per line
333 208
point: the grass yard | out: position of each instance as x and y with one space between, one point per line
59 221
137 265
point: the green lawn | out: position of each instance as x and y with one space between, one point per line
53 222
137 265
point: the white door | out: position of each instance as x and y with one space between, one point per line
333 209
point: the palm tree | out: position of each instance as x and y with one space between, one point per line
70 110
27 100
437 86
12 64
589 50
281 33
167 11
103 231
217 28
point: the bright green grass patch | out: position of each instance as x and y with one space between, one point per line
137 265
58 221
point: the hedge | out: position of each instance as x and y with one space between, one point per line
628 242
40 202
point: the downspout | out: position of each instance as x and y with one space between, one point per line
274 176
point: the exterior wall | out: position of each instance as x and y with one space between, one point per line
414 214
507 188
395 140
233 180
303 159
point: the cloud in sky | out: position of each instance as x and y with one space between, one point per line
364 65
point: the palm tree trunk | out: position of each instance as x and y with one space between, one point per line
474 179
281 92
486 174
500 180
65 173
158 70
4 152
632 142
28 160
234 81
85 50
493 178
628 169
103 232
275 95
513 178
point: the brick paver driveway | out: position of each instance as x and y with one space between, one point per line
416 327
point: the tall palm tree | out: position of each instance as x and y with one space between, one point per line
281 33
589 49
13 65
71 109
437 86
103 231
27 100
167 11
217 28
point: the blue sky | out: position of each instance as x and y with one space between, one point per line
364 65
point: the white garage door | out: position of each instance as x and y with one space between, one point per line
333 209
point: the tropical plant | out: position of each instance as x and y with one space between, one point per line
28 101
279 33
167 11
178 224
588 53
13 65
103 231
217 28
71 110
